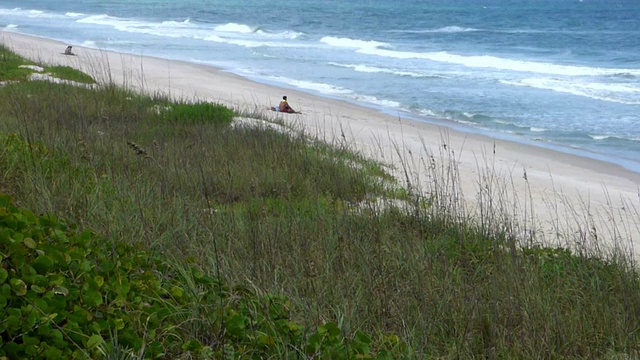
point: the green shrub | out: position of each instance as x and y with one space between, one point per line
10 66
69 73
70 294
196 113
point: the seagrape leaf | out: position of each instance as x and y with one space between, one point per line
18 286
92 297
3 275
177 292
192 345
118 324
30 243
61 290
235 325
94 340
43 264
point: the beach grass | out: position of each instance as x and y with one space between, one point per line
359 264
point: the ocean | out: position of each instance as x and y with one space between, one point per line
561 74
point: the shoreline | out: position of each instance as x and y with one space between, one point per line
540 179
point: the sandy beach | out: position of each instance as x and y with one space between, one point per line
547 192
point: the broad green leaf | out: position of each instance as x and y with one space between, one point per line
92 297
61 290
30 341
42 305
43 264
235 325
52 353
18 286
30 243
94 340
177 292
266 340
85 266
192 345
3 275
56 279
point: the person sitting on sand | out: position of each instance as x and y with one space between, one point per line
284 106
68 51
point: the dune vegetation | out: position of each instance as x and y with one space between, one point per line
139 226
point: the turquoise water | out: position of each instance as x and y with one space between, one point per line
557 73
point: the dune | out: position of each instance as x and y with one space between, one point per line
548 196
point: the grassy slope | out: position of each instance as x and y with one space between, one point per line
254 206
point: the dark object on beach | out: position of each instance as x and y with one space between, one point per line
284 107
68 50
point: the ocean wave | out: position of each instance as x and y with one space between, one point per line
74 14
375 69
179 24
486 61
446 29
315 86
90 44
617 93
375 101
10 26
377 48
352 43
333 90
231 33
251 43
624 75
19 12
614 138
286 34
234 28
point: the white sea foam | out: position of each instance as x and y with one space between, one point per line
477 61
427 112
310 85
251 43
19 12
615 137
617 93
179 24
375 69
231 33
287 34
10 26
74 14
234 28
90 44
352 43
537 129
375 101
328 89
